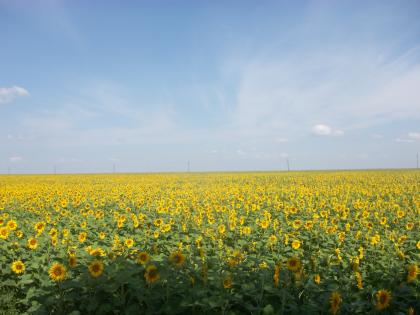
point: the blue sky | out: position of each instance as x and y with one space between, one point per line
228 85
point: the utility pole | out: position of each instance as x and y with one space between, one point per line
288 166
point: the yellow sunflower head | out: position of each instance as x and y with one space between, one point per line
57 272
4 232
297 224
32 243
39 227
72 261
296 244
12 225
129 242
96 268
359 280
222 229
383 299
293 264
151 274
413 270
335 302
18 267
143 258
177 258
82 237
227 282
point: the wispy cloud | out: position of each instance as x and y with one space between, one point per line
410 137
376 136
326 130
8 94
414 135
15 159
404 140
349 88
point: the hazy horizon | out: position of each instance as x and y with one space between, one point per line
228 86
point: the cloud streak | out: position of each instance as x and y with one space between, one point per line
9 94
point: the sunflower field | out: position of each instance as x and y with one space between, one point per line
343 242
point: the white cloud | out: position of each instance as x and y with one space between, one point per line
281 140
403 140
15 159
322 130
350 88
410 137
414 135
240 152
325 130
376 136
8 94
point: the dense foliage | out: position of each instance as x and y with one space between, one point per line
228 243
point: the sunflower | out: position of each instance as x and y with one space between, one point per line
227 282
276 276
72 261
97 252
418 245
151 274
53 232
383 298
18 267
296 244
335 302
82 237
12 225
412 272
165 228
222 229
39 227
96 268
32 243
272 239
308 225
359 280
297 224
317 279
264 224
143 258
57 272
129 242
4 233
177 258
293 264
